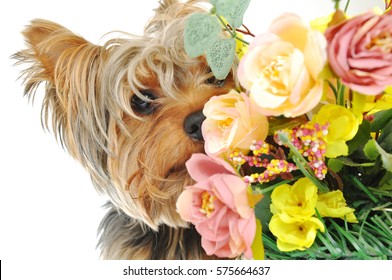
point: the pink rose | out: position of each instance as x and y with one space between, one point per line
281 69
360 52
232 122
218 207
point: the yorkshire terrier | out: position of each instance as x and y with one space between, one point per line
130 112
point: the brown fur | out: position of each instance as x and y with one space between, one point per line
137 161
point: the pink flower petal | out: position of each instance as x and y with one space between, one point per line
184 205
201 167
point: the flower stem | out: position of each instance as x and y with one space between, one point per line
347 4
271 188
340 89
301 162
336 4
232 32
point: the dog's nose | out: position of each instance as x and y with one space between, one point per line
192 125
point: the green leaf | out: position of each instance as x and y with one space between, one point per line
361 138
220 57
339 162
232 10
386 142
384 139
263 212
386 182
381 119
335 165
200 31
372 150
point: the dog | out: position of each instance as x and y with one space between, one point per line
130 111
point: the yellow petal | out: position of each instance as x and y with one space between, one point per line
332 204
257 245
261 95
321 23
337 148
295 236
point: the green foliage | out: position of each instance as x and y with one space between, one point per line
232 10
366 178
200 32
370 239
203 34
381 119
220 56
373 150
361 138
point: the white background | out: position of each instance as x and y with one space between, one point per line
49 210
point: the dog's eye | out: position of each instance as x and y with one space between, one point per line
215 82
142 106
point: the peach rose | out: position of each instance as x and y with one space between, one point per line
281 69
218 207
232 122
360 52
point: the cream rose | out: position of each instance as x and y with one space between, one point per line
232 122
281 69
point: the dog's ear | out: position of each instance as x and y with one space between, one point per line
70 67
49 42
169 12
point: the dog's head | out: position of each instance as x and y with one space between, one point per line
130 111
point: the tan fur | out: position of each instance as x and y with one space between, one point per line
138 161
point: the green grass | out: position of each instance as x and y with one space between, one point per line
369 239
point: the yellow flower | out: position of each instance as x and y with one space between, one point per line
343 126
240 47
294 203
297 235
332 204
374 105
321 23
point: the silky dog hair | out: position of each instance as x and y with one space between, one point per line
120 109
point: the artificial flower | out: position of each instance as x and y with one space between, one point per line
332 204
388 5
232 122
294 203
281 68
360 52
297 235
218 207
321 23
343 126
384 102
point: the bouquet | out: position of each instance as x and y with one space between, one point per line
298 161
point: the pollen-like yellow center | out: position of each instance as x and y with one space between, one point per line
273 74
207 206
382 41
225 123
